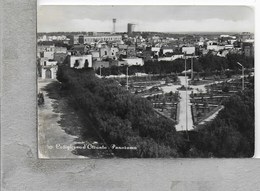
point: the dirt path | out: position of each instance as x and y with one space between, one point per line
53 141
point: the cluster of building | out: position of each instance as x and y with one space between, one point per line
98 50
241 44
45 38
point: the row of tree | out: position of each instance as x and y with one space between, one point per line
206 65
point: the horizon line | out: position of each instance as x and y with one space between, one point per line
148 32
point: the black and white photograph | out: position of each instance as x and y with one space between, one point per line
145 81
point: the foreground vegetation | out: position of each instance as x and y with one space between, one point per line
125 119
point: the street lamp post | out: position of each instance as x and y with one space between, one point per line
243 76
185 71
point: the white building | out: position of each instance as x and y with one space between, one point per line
227 36
224 36
134 61
45 51
215 47
95 55
210 42
80 61
49 72
249 40
167 50
82 39
156 50
223 53
200 43
232 41
229 46
46 62
49 63
60 50
48 68
113 52
173 57
49 55
188 50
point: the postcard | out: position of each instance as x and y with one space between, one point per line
143 81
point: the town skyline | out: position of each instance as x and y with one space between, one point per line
171 19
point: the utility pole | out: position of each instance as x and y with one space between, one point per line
186 84
243 78
100 70
192 66
185 71
127 77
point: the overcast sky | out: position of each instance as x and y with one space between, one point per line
148 18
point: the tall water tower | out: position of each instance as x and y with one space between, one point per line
114 25
130 28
